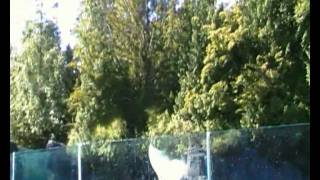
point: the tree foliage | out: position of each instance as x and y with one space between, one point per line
37 90
251 74
155 66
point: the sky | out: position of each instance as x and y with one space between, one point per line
64 15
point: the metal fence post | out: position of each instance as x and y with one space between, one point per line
79 162
208 156
13 164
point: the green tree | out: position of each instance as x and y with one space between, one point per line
183 50
302 17
72 71
251 72
94 103
38 93
274 89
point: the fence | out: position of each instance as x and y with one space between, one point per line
280 152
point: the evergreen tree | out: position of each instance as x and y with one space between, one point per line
38 93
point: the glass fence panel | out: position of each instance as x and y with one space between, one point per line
164 157
53 164
264 153
179 157
126 159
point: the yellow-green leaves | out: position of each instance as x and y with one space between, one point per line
114 130
38 88
301 10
